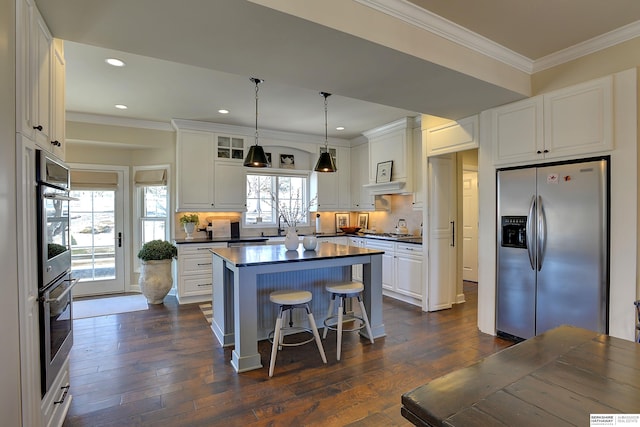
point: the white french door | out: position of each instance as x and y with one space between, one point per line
97 237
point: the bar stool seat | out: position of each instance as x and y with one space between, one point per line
288 300
335 321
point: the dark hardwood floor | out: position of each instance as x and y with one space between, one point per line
163 367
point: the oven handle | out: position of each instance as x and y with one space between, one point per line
64 294
54 196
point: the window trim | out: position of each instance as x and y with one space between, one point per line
136 224
278 173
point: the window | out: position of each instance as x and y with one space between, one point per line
268 196
152 205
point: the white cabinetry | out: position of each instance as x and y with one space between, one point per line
195 161
205 184
402 276
361 198
356 269
408 260
388 264
194 272
332 188
573 121
40 75
453 136
419 169
391 142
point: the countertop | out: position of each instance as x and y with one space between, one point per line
221 240
244 256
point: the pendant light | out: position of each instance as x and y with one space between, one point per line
325 162
256 157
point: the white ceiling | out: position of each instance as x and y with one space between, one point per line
190 58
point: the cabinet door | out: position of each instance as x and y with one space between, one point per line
361 198
388 264
24 74
418 164
518 131
41 80
58 104
333 189
230 147
230 187
579 119
195 165
452 137
409 275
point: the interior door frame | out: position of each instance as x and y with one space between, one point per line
125 223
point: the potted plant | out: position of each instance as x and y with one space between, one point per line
189 221
155 274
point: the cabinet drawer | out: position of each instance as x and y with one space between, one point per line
409 249
379 244
195 285
197 264
201 250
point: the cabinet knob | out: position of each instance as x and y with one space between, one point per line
545 151
538 152
39 127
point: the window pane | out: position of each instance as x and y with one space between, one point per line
154 202
270 195
153 230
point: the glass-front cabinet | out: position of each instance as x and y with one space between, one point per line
229 147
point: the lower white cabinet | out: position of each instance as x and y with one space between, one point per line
194 272
401 270
55 403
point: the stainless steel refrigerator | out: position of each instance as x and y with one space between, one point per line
552 248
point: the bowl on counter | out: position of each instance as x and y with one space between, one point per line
350 230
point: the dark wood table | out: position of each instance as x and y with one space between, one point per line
555 379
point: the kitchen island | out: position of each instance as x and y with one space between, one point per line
244 276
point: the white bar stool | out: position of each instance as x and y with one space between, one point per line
288 301
343 291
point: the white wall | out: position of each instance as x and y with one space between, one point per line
9 350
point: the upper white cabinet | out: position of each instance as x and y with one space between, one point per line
229 147
332 188
40 75
572 121
205 184
361 198
419 162
391 142
452 137
194 170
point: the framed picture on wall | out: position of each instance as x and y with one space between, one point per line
342 220
383 173
287 161
363 220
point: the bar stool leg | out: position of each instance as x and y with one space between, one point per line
316 334
277 335
340 308
366 319
329 313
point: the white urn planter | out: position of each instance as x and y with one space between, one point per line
155 280
189 228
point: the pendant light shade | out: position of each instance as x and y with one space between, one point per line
255 157
325 162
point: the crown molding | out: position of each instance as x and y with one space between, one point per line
421 18
429 21
604 41
117 121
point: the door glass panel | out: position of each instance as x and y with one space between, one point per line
93 235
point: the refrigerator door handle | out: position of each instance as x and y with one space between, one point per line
542 235
530 232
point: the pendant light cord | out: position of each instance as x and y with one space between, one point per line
257 81
326 137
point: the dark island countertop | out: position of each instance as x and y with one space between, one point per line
244 256
201 241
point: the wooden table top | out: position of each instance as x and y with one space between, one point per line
555 379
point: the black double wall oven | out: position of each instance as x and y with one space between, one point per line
54 266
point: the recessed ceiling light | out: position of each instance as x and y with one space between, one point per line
340 128
115 62
121 106
223 111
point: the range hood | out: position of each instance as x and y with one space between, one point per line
391 187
